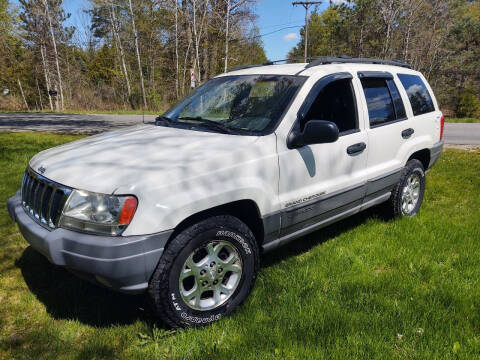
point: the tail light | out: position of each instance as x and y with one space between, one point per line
442 124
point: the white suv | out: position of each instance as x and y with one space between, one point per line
252 159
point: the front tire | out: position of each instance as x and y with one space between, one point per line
407 195
205 273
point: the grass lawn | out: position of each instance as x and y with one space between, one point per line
462 120
363 288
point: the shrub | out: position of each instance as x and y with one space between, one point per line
468 104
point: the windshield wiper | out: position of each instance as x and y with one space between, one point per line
209 124
165 120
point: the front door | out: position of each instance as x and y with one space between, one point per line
320 182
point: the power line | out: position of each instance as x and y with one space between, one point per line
269 33
276 25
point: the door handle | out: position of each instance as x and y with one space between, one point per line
356 148
407 133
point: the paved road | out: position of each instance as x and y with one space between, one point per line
67 123
458 134
462 134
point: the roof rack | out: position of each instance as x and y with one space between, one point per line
241 67
266 63
323 60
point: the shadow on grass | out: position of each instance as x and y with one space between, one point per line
69 297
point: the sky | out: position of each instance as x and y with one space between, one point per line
275 15
278 21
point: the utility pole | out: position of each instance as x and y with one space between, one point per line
306 5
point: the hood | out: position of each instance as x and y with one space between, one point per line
124 158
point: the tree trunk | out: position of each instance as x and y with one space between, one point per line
176 48
47 80
196 37
142 86
360 42
185 67
23 95
47 11
39 94
120 48
407 41
226 35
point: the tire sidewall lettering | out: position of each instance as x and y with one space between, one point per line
236 237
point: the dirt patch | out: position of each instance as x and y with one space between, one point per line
470 148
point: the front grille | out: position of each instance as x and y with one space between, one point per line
43 199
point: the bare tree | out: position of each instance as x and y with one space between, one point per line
45 72
226 35
137 50
176 48
21 92
389 11
39 94
116 34
54 43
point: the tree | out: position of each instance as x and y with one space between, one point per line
134 53
468 104
43 32
440 38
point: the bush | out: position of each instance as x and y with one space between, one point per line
468 104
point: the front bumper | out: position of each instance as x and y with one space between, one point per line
123 263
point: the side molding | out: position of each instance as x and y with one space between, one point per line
298 220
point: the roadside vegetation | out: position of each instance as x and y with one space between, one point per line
367 287
462 120
133 54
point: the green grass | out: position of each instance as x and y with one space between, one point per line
462 120
364 288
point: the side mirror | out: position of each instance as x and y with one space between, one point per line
315 132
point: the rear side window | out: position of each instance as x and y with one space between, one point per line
379 101
418 94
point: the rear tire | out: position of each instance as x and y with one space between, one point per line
407 195
205 272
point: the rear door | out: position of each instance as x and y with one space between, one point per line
389 130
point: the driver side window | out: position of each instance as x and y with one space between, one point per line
335 103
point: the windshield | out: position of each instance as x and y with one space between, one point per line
246 103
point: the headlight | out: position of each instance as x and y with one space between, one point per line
98 213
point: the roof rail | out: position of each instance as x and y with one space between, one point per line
266 63
240 67
323 60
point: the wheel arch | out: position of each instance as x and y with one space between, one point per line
246 210
423 156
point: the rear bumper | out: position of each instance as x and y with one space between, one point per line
435 153
122 263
